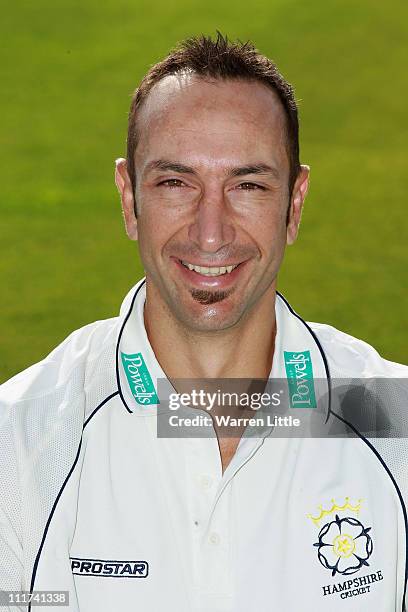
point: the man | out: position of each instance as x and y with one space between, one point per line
94 501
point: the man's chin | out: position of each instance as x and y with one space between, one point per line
209 312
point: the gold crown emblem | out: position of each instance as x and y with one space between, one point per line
335 508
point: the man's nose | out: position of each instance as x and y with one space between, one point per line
212 227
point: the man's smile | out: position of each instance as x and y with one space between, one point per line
210 270
209 277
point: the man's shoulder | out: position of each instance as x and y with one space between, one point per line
72 358
349 356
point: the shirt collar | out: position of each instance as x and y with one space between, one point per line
138 371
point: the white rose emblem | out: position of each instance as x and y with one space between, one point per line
344 546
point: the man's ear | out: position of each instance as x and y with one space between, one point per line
124 185
296 204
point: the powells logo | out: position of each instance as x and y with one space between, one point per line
139 379
109 568
299 373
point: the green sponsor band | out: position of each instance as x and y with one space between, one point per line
139 379
299 372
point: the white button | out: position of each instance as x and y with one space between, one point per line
206 482
214 538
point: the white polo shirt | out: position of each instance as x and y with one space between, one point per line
96 504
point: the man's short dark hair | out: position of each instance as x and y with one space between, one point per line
219 59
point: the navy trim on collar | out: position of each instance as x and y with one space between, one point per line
118 342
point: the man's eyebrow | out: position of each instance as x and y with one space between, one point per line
254 169
165 165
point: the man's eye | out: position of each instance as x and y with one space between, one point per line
172 183
250 186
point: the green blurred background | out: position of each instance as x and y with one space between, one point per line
69 68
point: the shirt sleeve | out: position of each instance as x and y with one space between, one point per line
11 545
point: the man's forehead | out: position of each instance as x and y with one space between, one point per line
184 92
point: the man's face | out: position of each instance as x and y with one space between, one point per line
212 197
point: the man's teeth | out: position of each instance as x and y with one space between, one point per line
213 271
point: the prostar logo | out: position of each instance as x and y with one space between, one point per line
299 372
109 568
139 379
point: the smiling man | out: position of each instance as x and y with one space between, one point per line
99 506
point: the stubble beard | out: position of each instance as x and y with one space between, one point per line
205 297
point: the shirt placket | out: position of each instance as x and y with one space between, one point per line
211 503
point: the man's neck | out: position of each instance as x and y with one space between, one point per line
241 351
